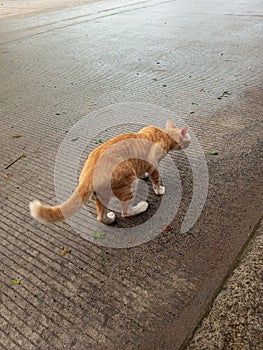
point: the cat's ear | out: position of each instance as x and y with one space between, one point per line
170 124
184 131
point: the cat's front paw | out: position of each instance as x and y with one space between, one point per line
159 190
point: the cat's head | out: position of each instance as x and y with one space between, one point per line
181 138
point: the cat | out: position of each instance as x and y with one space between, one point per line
112 169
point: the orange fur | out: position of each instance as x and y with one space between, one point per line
112 168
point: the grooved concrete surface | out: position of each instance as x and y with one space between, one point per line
59 65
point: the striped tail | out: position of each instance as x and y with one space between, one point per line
47 214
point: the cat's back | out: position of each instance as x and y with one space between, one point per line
108 152
129 144
121 148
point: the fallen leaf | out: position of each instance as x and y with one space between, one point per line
15 281
98 235
64 251
213 152
98 142
132 239
23 155
36 151
224 94
7 176
167 228
75 139
17 136
194 104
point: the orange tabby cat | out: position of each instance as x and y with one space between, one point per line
112 169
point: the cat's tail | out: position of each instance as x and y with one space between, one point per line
47 214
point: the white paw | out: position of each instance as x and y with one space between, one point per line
159 190
137 209
111 217
145 176
141 207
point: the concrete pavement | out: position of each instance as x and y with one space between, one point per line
202 61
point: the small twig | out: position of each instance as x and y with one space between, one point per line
14 161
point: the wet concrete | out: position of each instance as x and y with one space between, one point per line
56 67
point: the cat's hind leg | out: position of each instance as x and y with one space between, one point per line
126 197
155 178
124 191
129 210
104 216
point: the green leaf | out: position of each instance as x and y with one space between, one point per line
23 155
98 142
213 152
15 281
98 235
75 139
194 104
